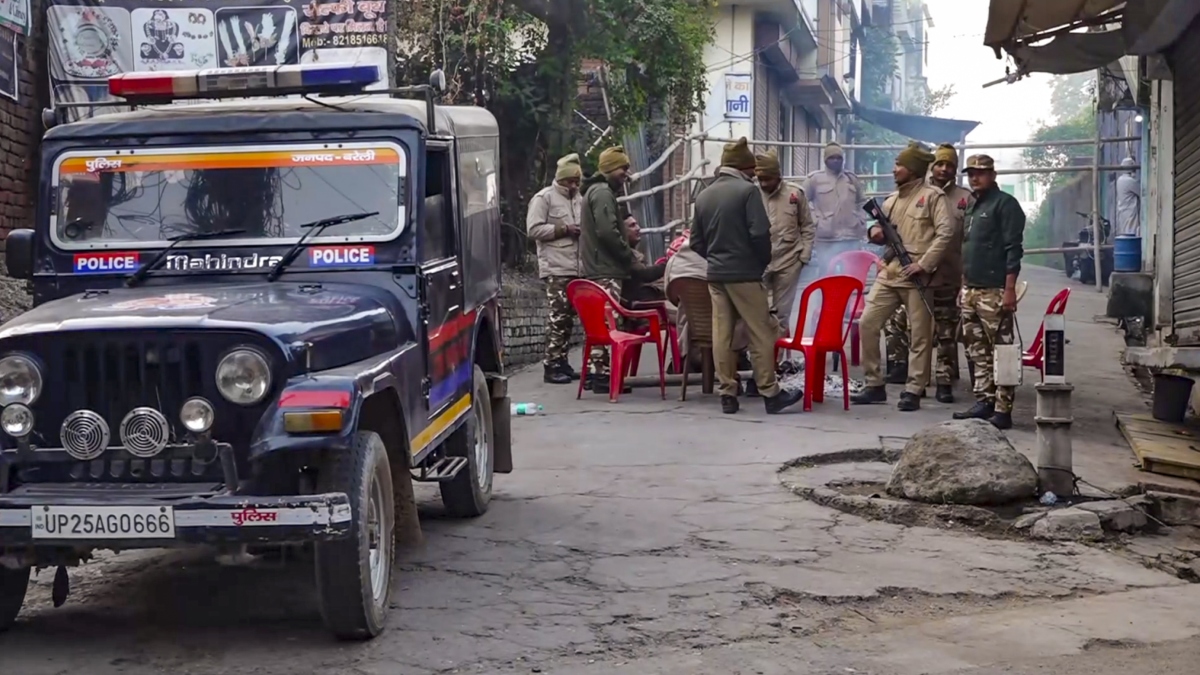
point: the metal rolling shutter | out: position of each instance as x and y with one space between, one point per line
761 105
1185 63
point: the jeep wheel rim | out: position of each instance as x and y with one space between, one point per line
483 460
377 555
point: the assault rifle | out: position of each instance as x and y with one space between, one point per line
895 244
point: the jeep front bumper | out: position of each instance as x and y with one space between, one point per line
98 516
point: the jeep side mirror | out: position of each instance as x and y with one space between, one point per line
18 253
437 81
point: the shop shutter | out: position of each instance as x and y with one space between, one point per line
761 106
1185 64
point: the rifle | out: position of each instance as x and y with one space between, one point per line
895 246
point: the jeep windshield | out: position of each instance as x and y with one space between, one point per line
142 198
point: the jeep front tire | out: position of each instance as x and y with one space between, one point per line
13 584
354 573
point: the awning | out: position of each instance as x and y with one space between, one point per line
1151 26
1010 20
917 127
1071 53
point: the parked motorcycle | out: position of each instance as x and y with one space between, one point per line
1083 259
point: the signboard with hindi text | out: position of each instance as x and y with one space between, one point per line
739 96
92 40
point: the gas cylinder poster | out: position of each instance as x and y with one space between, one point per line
91 41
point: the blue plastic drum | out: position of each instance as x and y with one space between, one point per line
1127 253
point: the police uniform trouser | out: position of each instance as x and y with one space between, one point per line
560 320
946 324
782 286
598 358
985 324
882 302
746 300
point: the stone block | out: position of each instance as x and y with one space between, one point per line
1175 509
1116 515
1069 524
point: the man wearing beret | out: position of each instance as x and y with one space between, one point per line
792 234
603 246
553 222
732 232
992 251
944 288
923 220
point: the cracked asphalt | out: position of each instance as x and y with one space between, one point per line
646 537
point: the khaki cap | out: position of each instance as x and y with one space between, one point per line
980 163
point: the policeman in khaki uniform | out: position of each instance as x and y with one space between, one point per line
553 222
944 297
792 233
992 250
922 217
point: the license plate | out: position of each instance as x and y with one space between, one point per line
103 522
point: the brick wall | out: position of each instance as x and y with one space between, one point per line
20 129
524 305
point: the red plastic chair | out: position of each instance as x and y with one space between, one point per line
664 316
838 293
855 264
1033 356
598 312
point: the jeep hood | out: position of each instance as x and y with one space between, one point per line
344 323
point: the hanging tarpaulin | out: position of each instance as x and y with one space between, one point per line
1072 53
14 14
91 41
1010 20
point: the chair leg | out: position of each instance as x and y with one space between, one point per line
662 368
845 386
587 348
687 363
818 395
635 357
673 336
855 339
808 380
616 373
708 372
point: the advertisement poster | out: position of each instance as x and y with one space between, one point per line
8 64
14 15
91 41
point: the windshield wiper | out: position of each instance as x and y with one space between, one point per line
145 270
315 229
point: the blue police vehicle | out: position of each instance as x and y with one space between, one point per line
256 322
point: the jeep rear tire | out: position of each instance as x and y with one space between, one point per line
13 584
468 494
354 573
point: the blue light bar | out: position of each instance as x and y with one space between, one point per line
316 78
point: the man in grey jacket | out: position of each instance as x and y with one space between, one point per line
553 222
733 233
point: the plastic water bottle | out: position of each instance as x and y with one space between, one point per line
527 409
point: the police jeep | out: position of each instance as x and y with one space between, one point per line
255 323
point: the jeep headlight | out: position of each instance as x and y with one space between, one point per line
20 380
244 376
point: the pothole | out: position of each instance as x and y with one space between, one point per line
854 481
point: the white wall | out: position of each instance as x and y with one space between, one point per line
730 52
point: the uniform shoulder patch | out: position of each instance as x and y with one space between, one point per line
921 202
962 204
793 198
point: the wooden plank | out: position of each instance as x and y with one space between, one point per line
1161 447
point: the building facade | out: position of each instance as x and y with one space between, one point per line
780 70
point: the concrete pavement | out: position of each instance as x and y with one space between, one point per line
653 537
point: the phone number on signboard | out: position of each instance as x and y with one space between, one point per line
353 40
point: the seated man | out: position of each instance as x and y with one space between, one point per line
645 284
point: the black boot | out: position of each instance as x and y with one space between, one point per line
870 395
566 369
982 410
554 375
908 402
781 401
897 373
945 393
729 405
1001 420
751 388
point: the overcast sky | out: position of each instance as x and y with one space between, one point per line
1007 112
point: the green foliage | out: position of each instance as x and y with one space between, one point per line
1074 119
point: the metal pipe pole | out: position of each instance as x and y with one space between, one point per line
1096 193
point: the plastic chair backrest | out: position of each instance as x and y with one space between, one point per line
593 304
855 264
692 295
838 292
1058 305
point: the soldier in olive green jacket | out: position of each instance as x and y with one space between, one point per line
603 246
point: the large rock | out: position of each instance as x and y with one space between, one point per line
1069 524
963 462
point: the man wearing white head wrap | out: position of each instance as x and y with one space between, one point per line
1129 200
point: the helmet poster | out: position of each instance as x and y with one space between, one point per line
91 41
